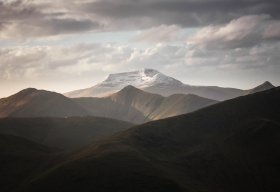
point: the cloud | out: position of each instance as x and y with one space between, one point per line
94 60
162 33
21 19
185 13
246 31
29 19
272 31
47 62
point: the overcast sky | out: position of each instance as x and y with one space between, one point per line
65 45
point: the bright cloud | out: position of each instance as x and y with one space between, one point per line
246 31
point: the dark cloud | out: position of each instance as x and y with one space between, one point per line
19 18
69 25
17 10
187 13
25 19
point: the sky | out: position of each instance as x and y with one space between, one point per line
65 45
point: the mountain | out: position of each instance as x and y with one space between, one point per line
115 82
265 86
39 103
129 104
229 146
134 105
62 133
153 81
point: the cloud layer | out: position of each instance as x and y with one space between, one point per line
27 18
89 60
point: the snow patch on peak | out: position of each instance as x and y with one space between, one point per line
140 79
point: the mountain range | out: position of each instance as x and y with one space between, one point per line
129 104
153 81
229 146
134 105
147 132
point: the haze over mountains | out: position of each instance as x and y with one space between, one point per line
153 81
229 146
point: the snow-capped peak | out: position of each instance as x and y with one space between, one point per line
141 78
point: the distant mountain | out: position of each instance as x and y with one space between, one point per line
134 105
115 82
230 146
39 103
265 86
62 133
153 81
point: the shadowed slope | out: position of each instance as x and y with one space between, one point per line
134 105
62 133
19 159
230 146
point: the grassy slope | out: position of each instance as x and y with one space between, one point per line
20 159
65 133
230 146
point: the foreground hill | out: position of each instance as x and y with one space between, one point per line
20 159
134 105
153 81
39 103
62 133
230 146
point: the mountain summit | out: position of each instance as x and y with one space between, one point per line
141 79
265 86
39 103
